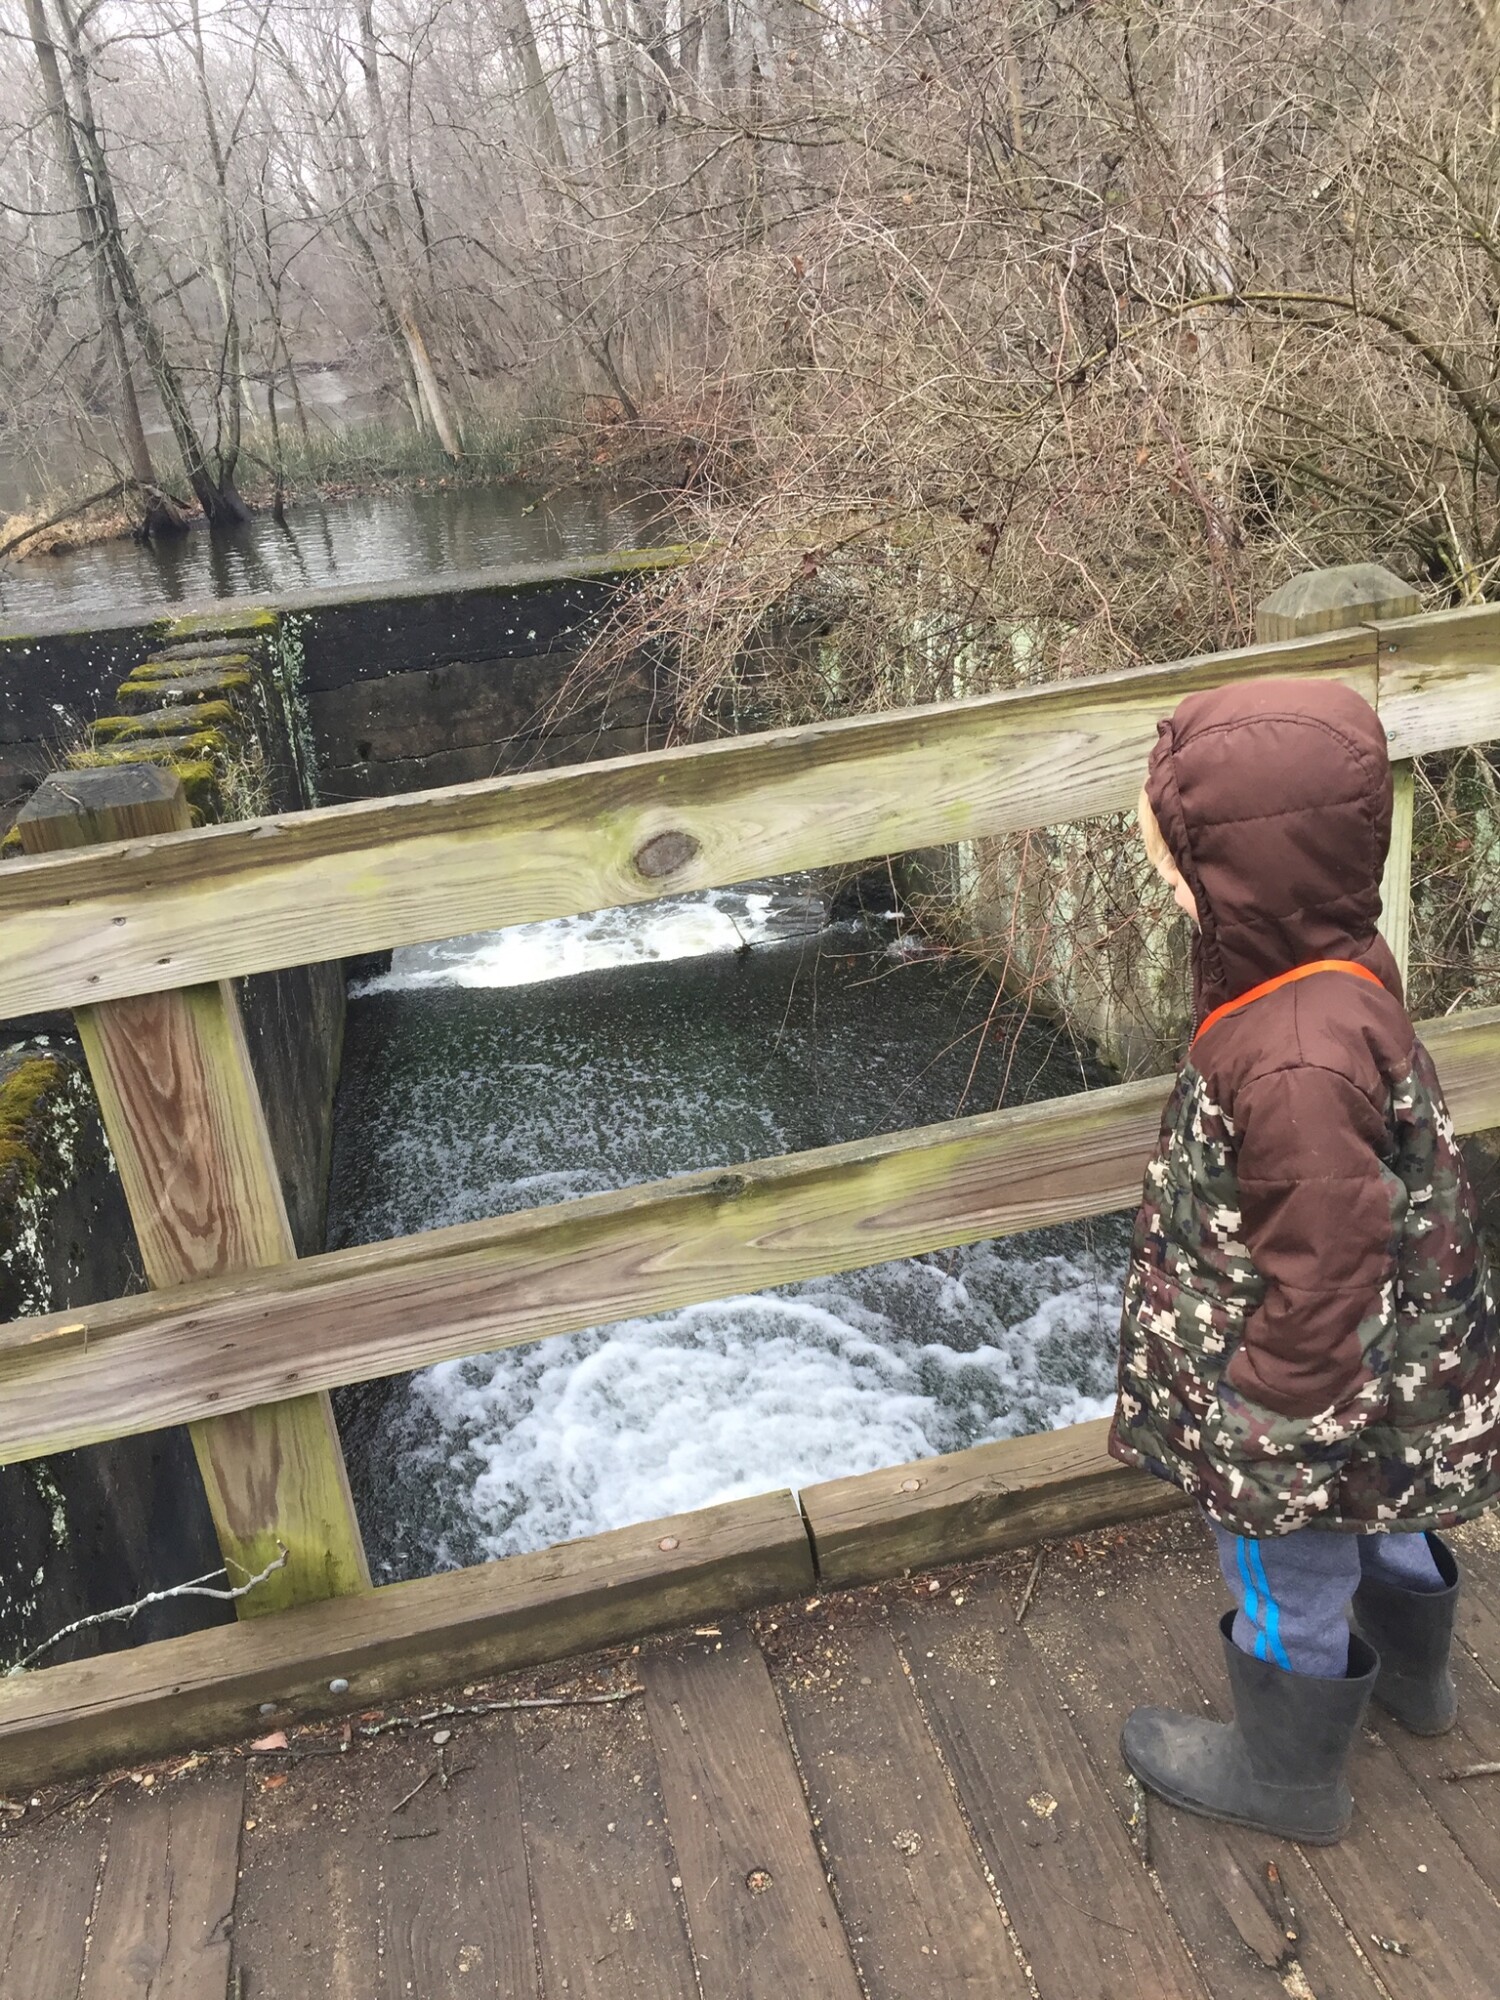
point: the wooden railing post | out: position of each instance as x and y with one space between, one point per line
184 1117
1326 600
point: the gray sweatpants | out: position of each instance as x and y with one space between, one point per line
1292 1591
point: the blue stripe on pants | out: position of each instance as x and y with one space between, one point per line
1292 1592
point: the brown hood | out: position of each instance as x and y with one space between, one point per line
1275 799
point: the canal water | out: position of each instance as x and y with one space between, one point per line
375 538
534 1065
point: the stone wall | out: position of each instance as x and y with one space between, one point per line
421 686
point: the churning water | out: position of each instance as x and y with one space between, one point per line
498 1072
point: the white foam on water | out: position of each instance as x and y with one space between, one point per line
839 1375
675 927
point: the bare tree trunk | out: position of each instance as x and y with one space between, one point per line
221 504
407 317
161 513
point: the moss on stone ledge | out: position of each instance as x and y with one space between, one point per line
174 722
222 622
23 1098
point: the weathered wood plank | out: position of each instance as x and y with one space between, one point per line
307 1919
1078 1900
918 1911
609 1925
354 1314
1440 680
1395 883
48 1879
762 1920
456 1908
975 1502
166 1903
183 1693
185 1121
191 908
140 1363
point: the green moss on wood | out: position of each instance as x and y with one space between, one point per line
193 758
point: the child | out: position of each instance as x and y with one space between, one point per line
1309 1346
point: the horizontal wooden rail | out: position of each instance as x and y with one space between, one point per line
146 915
200 1350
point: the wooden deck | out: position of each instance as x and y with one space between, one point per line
896 1792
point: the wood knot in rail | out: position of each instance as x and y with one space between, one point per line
664 854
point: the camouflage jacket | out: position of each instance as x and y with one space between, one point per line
1309 1333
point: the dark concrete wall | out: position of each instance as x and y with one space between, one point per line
424 686
407 685
52 685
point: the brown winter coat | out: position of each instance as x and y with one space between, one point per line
1309 1334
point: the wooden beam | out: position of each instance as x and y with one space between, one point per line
974 1503
1395 883
140 1363
262 894
188 1131
1440 680
356 1652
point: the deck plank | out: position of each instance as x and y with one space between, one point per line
1105 1656
166 1903
920 1915
48 1878
457 1905
609 1923
759 1908
307 1923
1076 1894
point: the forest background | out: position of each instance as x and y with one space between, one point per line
974 344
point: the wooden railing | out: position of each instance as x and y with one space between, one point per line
139 924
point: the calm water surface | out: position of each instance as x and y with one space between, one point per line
379 538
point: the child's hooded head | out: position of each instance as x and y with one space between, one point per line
1273 799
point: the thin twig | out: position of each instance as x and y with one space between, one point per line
124 1613
417 1787
495 1708
1472 1771
1036 1570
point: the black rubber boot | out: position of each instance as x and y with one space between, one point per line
1279 1766
1412 1631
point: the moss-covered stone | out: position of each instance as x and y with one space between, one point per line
184 721
186 688
223 621
181 665
24 1093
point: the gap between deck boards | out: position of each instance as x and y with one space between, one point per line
603 1590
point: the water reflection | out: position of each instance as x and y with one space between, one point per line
375 538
